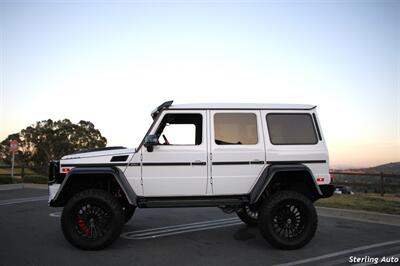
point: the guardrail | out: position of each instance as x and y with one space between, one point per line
379 186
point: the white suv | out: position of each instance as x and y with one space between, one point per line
266 162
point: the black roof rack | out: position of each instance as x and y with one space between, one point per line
161 107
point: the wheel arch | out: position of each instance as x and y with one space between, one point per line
286 176
81 178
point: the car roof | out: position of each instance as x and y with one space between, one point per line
243 106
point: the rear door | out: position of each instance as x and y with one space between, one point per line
237 150
295 137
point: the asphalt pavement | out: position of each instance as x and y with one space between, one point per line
30 234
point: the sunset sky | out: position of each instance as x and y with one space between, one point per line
112 62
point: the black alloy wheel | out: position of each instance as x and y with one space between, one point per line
92 219
288 220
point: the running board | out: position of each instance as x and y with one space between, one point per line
200 201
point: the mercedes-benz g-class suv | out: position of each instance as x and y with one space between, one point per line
266 162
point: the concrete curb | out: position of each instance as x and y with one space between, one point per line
36 186
11 186
362 216
22 185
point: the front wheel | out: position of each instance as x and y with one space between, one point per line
92 219
288 220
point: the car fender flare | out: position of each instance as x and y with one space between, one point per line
115 172
268 174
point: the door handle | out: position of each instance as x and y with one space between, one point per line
198 162
256 161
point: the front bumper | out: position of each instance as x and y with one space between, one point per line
326 190
53 189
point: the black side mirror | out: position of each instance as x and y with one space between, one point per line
150 141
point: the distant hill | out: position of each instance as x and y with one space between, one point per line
393 168
388 168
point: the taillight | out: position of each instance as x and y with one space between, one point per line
65 169
320 179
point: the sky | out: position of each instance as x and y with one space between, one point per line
113 62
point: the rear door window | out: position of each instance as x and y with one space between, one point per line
291 129
235 129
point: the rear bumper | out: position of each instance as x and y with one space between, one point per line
326 190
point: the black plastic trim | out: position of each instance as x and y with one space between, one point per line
119 176
316 125
231 163
257 162
121 158
238 163
167 164
327 190
195 201
199 163
93 164
296 162
281 109
268 174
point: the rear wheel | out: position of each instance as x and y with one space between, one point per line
248 215
92 219
288 220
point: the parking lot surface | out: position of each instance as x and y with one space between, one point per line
30 234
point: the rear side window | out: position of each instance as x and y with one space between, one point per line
291 129
235 128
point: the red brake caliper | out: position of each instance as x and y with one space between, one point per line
83 226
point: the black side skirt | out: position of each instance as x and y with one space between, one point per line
198 201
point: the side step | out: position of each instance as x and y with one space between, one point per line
198 201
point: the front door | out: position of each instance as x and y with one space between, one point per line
237 151
177 166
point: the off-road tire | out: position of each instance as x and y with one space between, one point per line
92 219
248 216
128 210
287 220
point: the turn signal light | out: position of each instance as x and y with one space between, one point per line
320 179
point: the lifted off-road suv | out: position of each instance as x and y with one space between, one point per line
268 163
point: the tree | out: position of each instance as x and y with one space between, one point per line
50 140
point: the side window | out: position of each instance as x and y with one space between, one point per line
180 129
235 128
291 129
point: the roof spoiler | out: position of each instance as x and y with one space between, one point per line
163 106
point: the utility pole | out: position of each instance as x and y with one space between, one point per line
13 149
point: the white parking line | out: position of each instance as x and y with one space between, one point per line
180 229
55 214
22 200
343 252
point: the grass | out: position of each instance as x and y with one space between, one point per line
389 204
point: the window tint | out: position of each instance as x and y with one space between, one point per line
235 128
291 129
180 129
